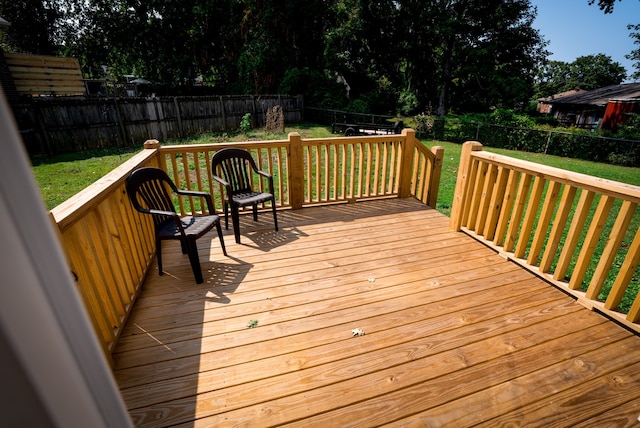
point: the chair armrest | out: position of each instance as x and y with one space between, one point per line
227 186
159 212
220 180
192 193
264 174
269 178
197 193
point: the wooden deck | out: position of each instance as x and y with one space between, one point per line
455 335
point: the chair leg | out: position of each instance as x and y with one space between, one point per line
275 217
255 212
219 228
194 259
159 255
235 219
226 215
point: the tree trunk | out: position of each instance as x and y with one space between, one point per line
445 79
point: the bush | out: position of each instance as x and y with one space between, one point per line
358 106
318 88
407 102
245 123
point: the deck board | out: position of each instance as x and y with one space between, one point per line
455 335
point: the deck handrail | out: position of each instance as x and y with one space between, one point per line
110 246
321 170
531 214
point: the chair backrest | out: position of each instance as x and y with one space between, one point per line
148 189
236 166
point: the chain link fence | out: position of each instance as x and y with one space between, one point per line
558 143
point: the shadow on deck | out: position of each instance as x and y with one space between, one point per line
455 335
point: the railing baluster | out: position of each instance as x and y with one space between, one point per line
507 207
548 207
352 173
485 198
629 266
613 243
590 241
495 203
516 214
571 242
469 192
557 230
530 217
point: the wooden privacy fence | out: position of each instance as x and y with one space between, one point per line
110 246
547 220
56 125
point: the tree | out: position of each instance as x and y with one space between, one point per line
635 54
34 26
455 54
277 35
552 78
362 46
471 55
604 5
164 41
586 72
595 71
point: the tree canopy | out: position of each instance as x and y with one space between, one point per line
605 5
635 54
586 72
379 56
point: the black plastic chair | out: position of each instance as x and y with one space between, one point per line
237 168
150 190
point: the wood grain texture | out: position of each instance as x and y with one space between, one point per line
455 335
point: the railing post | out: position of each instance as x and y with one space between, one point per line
434 182
151 144
464 169
406 163
296 171
155 145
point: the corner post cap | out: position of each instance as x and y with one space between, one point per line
151 144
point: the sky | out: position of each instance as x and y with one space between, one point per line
575 29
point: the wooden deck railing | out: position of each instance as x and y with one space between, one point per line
110 246
546 219
321 170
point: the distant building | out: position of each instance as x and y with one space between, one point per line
602 108
545 105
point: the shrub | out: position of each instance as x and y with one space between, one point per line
245 123
407 102
319 89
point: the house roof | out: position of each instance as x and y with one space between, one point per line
4 23
601 96
555 97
